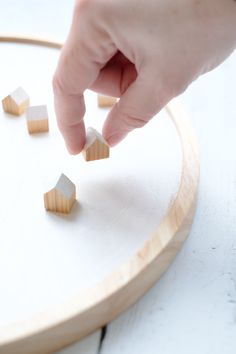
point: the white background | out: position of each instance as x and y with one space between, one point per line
193 307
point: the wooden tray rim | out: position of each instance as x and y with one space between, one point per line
98 305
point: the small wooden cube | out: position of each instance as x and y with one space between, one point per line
16 102
106 101
37 119
62 197
96 147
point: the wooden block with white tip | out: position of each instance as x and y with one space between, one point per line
62 197
96 147
37 119
16 102
106 101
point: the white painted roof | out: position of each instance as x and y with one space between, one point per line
65 186
92 136
19 95
37 113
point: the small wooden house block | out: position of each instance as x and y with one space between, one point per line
16 102
62 197
106 101
37 119
96 147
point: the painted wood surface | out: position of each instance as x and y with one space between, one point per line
37 119
16 103
95 148
77 317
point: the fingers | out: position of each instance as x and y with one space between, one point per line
72 129
87 49
144 98
114 78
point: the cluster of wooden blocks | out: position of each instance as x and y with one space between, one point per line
18 102
62 197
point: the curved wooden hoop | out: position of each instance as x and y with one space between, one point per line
94 307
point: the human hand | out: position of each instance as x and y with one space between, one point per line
146 52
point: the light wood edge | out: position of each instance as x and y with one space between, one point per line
25 39
94 307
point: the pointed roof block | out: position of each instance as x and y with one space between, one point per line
16 102
96 147
62 197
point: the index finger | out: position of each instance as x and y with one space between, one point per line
87 49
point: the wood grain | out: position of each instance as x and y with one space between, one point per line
106 101
37 119
16 103
100 304
96 148
62 197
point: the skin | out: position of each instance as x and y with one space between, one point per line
144 51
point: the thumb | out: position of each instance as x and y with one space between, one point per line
144 98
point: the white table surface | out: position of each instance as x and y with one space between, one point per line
192 309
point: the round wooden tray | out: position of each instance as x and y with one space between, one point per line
98 305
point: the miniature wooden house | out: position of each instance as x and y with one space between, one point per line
16 102
37 119
106 101
62 197
96 147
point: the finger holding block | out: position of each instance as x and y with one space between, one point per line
37 119
96 147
